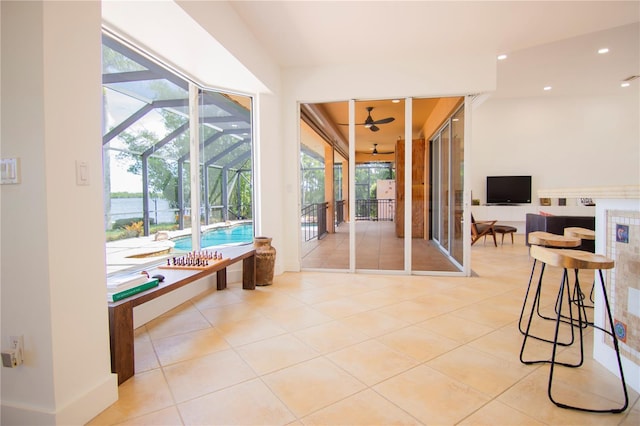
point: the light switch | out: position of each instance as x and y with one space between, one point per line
82 173
10 170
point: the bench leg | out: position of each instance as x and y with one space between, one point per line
249 273
121 339
221 279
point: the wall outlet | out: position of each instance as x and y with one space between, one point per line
13 357
16 342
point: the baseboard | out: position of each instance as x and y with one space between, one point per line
78 412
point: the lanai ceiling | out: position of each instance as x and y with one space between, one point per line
387 134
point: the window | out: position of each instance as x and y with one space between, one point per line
147 160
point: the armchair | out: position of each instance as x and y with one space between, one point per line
482 229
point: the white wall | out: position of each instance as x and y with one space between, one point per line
53 254
563 142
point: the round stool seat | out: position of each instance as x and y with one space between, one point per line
577 232
547 239
571 259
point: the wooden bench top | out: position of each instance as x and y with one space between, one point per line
176 278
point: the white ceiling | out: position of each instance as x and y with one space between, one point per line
547 42
313 33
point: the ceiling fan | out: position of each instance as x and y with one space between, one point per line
370 123
376 152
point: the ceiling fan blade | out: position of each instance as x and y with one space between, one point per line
374 128
369 120
384 120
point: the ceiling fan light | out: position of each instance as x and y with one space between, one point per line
368 125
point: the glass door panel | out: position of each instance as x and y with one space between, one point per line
440 249
435 187
324 190
457 183
379 220
445 194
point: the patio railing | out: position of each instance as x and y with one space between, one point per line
313 221
339 214
377 209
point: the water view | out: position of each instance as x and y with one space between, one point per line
125 208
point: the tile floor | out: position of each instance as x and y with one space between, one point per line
335 348
377 248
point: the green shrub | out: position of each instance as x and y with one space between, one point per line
134 230
123 223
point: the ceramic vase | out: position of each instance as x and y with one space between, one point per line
265 260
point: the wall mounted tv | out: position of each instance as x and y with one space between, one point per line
508 189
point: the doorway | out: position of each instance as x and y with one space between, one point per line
365 219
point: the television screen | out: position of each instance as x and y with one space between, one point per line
508 189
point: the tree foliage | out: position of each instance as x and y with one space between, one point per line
312 180
144 139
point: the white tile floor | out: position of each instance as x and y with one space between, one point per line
344 349
377 248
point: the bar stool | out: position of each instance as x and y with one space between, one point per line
577 260
543 239
583 234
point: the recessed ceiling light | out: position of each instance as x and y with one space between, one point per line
603 50
547 88
625 84
502 57
396 101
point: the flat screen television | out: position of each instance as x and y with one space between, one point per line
508 189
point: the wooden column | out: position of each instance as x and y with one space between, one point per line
418 192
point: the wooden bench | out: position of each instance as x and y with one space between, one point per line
121 312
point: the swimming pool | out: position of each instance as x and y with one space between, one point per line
235 234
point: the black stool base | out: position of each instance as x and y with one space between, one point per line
580 323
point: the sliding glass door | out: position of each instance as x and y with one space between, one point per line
379 231
324 193
457 185
405 194
447 195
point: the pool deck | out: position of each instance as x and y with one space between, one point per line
135 253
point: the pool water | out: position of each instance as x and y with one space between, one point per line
236 234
